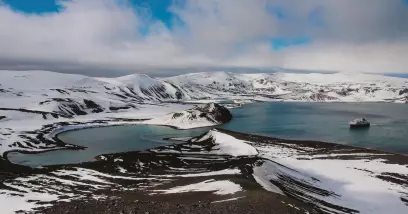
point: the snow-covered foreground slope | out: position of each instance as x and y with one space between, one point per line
219 166
338 179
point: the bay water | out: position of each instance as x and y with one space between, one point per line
289 120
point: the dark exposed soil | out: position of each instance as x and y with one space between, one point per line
257 202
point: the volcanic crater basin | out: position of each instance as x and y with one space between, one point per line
217 169
221 171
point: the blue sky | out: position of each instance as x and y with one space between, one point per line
39 6
127 35
159 10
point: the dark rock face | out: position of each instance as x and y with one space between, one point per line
177 115
404 91
179 95
70 107
92 105
321 97
115 108
214 111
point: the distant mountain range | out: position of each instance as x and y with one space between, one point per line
67 95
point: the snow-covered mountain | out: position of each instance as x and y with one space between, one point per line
67 95
343 87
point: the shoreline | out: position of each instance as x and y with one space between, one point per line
69 126
112 122
78 147
120 198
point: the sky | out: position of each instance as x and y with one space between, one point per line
169 37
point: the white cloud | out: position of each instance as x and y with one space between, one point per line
358 36
379 57
216 26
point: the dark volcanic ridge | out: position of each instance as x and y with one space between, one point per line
218 172
209 114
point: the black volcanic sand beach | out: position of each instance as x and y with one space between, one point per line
255 201
142 195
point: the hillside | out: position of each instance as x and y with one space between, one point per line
68 95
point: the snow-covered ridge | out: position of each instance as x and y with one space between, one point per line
335 178
223 144
69 95
342 87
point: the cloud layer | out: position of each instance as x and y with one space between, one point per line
355 36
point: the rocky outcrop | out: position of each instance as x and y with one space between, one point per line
215 112
210 114
403 91
321 97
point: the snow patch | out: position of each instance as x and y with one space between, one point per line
205 174
230 199
228 145
223 187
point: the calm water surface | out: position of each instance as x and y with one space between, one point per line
103 140
303 121
327 122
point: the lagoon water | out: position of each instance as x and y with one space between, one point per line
327 122
103 140
290 120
